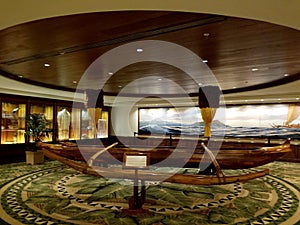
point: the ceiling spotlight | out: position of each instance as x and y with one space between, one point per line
46 64
297 98
206 34
286 74
74 82
139 50
110 73
159 79
254 69
262 100
119 86
205 60
20 76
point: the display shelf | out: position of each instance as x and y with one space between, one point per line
13 122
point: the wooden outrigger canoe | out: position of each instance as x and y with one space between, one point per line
240 157
226 158
148 175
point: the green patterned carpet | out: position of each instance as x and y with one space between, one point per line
55 194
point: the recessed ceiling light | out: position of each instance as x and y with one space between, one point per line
74 82
262 100
233 87
200 84
139 50
20 76
120 86
206 34
205 60
159 79
254 69
297 98
286 74
46 64
110 73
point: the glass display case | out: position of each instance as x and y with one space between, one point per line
75 123
68 123
94 124
47 110
13 123
104 130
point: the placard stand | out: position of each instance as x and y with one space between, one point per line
136 162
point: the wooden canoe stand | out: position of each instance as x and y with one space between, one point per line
136 201
136 161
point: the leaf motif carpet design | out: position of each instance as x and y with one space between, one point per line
55 194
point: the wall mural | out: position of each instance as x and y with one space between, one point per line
277 120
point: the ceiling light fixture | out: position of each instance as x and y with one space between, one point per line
254 69
110 73
206 35
297 98
46 64
159 79
205 60
139 50
286 74
74 82
20 76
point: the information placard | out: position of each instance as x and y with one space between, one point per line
136 160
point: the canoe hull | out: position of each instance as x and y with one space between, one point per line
227 158
145 175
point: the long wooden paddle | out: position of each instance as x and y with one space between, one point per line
90 161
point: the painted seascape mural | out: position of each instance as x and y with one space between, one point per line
276 120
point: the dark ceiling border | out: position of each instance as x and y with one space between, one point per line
278 82
28 81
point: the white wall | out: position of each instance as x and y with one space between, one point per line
124 120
